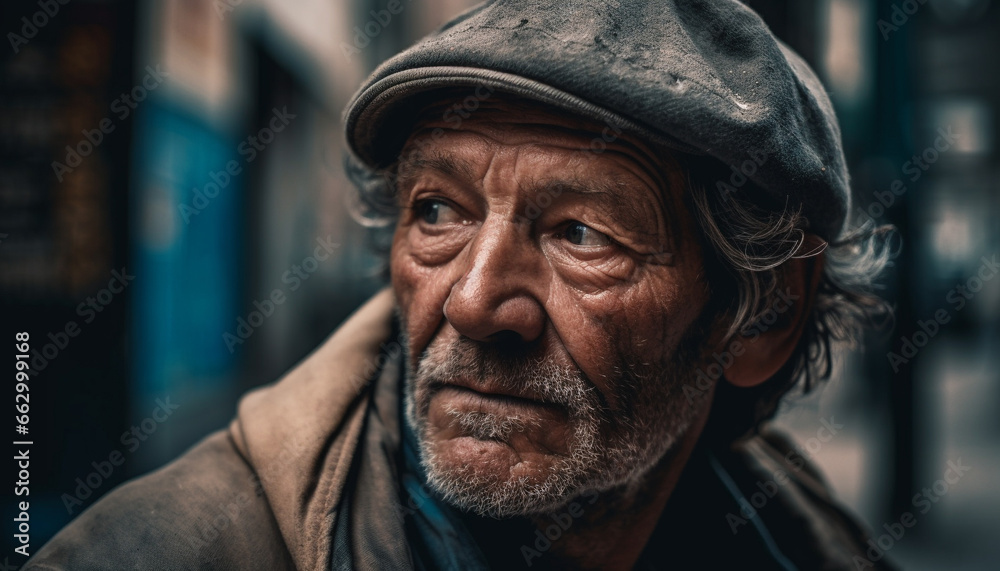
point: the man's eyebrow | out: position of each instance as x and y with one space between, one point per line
557 187
448 165
608 192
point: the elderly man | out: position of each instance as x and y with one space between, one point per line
619 239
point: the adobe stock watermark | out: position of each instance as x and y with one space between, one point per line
363 35
609 134
227 514
48 9
562 521
221 179
416 497
131 439
599 144
900 16
121 107
265 308
704 379
454 115
546 196
387 352
958 297
914 169
768 488
922 503
739 177
223 7
544 538
86 309
535 206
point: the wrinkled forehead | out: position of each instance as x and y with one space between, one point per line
494 113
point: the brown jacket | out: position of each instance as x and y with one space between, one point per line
267 493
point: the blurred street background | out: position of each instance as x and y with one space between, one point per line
170 169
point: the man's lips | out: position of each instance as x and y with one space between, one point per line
538 427
491 394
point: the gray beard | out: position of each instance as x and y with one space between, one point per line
607 450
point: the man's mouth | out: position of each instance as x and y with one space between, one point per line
458 410
468 396
492 393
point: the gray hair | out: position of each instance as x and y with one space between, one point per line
750 241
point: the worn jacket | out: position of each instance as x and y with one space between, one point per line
305 477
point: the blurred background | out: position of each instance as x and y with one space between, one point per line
166 166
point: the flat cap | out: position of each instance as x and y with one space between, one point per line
705 77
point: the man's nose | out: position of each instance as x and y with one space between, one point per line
496 293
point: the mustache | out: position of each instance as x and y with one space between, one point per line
517 368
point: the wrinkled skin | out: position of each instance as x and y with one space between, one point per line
517 242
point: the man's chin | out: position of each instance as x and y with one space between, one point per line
496 461
493 478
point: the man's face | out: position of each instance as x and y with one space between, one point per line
550 289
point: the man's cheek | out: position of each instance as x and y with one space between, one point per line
655 314
402 280
403 300
411 284
421 293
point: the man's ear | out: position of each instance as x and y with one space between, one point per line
766 348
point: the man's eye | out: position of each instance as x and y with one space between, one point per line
435 211
583 235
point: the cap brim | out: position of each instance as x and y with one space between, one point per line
380 118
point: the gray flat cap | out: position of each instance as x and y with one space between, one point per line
702 76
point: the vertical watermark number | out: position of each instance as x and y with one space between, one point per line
22 444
